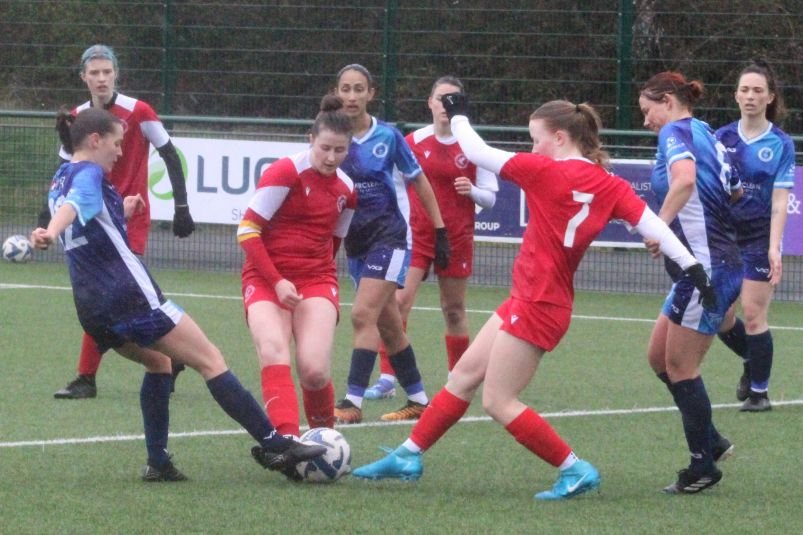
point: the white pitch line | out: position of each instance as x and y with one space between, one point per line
4 286
467 419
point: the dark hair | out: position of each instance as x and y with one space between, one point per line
674 83
73 130
776 111
582 123
355 67
451 80
331 118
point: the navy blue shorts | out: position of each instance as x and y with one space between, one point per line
143 330
381 263
682 307
755 259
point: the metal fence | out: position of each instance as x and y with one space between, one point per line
276 59
28 156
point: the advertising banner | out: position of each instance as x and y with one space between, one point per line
222 175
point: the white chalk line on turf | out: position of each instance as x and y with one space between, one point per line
467 419
4 286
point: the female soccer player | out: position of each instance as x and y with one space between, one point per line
458 185
290 234
378 246
120 305
765 158
99 72
571 197
691 179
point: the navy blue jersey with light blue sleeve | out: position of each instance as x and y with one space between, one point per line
704 224
110 284
381 164
763 163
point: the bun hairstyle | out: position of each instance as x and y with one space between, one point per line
74 129
776 111
330 117
673 83
582 123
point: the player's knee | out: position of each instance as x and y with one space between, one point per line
313 377
362 318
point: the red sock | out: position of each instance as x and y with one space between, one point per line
455 347
319 406
384 362
89 361
534 433
281 403
444 410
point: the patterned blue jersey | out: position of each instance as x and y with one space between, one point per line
380 163
764 163
109 282
704 224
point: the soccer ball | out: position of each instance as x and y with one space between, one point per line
333 464
17 249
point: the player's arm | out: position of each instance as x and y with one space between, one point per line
778 213
261 209
681 188
42 238
475 149
483 193
654 229
183 225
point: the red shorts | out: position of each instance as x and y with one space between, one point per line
541 324
461 255
256 289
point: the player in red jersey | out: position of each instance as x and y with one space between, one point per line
290 233
130 177
571 197
459 186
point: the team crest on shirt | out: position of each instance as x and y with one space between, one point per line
765 154
427 153
380 150
307 190
341 203
461 161
513 319
671 141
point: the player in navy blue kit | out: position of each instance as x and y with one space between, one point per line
765 158
121 307
692 181
378 245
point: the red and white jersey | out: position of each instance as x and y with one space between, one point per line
443 161
142 129
570 202
296 211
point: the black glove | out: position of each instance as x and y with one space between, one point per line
183 225
698 277
455 104
43 219
441 248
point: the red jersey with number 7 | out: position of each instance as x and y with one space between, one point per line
570 202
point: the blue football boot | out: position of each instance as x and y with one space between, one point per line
400 463
579 478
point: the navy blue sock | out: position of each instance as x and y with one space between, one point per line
760 350
154 399
406 370
736 339
664 377
241 406
695 409
362 364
